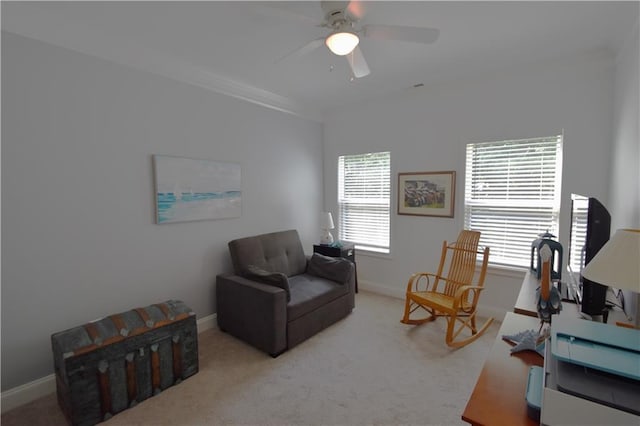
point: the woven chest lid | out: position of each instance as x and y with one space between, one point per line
117 327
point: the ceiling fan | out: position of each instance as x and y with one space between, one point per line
342 18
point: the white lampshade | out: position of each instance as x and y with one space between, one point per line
342 43
326 223
326 220
617 264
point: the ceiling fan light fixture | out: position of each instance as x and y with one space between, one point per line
342 42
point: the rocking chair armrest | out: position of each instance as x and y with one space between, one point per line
465 288
457 298
414 280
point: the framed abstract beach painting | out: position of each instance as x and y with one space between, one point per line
189 189
426 193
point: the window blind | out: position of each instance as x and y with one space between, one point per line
364 193
512 194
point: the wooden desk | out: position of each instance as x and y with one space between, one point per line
499 395
526 302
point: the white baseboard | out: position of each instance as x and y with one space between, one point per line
28 392
205 323
381 289
43 386
483 310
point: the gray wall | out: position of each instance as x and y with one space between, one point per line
78 235
427 129
625 167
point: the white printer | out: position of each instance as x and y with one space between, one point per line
591 374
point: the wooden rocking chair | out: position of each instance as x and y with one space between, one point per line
454 296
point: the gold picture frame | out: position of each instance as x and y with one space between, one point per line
427 193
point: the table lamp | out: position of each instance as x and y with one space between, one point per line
326 223
617 264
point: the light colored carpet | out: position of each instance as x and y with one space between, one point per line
368 369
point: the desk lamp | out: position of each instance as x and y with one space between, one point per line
617 264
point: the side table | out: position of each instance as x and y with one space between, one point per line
347 251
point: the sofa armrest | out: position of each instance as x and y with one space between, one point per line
332 268
252 311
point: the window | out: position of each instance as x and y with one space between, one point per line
512 194
364 193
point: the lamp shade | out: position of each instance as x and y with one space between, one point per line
342 43
617 264
326 220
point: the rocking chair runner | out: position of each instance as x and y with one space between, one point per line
454 296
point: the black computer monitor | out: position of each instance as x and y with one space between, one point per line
590 229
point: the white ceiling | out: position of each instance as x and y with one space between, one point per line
232 47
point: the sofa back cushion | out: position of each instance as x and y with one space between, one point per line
274 252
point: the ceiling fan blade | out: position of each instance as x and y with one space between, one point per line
355 9
303 50
358 64
393 32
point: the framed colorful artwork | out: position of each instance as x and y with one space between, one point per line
188 189
427 193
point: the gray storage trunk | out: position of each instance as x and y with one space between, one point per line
111 364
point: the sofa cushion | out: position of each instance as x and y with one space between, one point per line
309 292
275 252
277 279
332 268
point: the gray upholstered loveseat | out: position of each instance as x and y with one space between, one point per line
278 296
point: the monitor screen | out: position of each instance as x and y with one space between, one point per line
577 234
